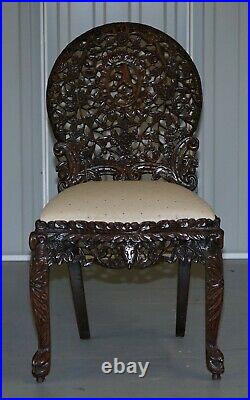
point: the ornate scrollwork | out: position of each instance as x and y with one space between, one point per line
125 99
68 165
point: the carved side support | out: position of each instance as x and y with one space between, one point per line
39 294
184 162
214 300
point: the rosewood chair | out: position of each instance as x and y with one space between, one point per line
124 100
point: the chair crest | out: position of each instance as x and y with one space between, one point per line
124 99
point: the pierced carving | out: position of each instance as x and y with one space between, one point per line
124 100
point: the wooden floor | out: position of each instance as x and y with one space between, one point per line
132 317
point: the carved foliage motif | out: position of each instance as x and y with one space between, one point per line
39 294
118 245
124 99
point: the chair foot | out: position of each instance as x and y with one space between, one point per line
41 364
40 379
85 335
180 332
216 377
215 361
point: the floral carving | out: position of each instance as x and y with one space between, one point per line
118 245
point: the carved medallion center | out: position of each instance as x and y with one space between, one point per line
123 83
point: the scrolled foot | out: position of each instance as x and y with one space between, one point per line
215 361
41 364
85 335
180 332
216 377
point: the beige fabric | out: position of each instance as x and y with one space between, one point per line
126 201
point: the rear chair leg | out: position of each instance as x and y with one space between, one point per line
214 298
75 274
182 296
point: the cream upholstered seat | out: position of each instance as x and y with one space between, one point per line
126 201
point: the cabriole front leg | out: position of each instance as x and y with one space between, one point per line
39 294
214 300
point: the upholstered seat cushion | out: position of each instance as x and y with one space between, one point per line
126 201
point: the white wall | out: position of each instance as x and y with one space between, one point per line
22 124
215 34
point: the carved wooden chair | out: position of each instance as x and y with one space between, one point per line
124 100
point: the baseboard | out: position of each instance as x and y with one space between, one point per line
235 256
26 257
22 257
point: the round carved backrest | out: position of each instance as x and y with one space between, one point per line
124 99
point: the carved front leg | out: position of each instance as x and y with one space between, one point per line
39 294
214 299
